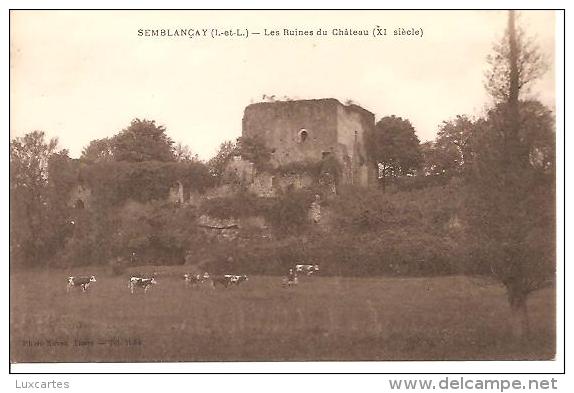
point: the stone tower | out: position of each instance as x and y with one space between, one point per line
311 130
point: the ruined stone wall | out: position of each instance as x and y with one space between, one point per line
80 197
240 170
352 124
294 130
176 193
296 181
263 185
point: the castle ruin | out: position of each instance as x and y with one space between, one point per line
311 130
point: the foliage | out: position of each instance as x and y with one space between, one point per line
515 49
510 208
113 183
323 170
308 167
289 214
241 204
420 181
143 141
253 149
218 163
98 150
510 199
371 233
393 148
451 150
371 210
535 141
156 232
31 216
183 153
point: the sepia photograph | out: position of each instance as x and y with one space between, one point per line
283 186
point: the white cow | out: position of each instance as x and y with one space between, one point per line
80 281
195 279
307 269
140 282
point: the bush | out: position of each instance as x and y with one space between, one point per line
241 204
328 167
428 209
289 212
113 183
157 233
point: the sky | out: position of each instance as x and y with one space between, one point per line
84 75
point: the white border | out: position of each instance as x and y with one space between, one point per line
328 367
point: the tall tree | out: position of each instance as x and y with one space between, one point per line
393 148
143 140
515 63
29 157
510 203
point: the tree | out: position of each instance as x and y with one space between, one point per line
454 143
393 148
253 149
438 161
536 132
183 153
98 150
218 163
143 140
510 200
515 62
29 157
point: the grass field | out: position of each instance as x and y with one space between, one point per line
324 318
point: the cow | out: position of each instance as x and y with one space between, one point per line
195 279
221 280
306 269
80 281
140 282
236 280
228 279
290 279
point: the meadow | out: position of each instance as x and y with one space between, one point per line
323 318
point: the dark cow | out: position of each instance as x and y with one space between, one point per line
140 282
307 269
236 280
195 279
225 280
80 281
228 279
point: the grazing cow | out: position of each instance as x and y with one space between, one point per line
307 269
228 279
80 281
221 280
195 279
139 282
290 279
236 280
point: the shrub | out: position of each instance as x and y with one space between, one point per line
289 212
241 204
